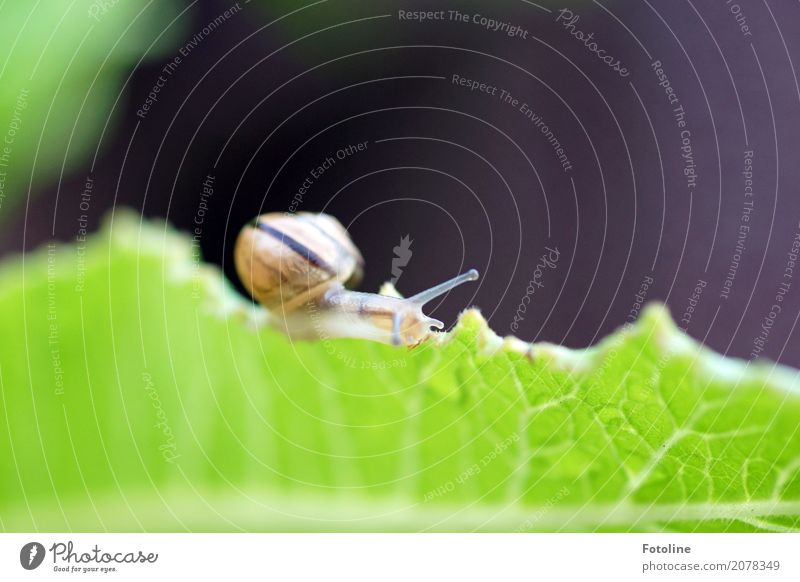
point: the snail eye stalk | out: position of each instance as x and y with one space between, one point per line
442 288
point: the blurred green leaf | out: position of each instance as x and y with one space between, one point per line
62 67
135 397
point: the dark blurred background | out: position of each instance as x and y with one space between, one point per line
265 95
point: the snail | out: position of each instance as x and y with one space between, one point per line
299 266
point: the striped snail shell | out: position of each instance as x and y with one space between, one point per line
286 260
297 265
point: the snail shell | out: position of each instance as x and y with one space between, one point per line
285 260
288 262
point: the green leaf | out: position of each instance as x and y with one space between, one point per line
137 396
62 70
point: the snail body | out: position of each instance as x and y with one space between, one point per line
300 266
